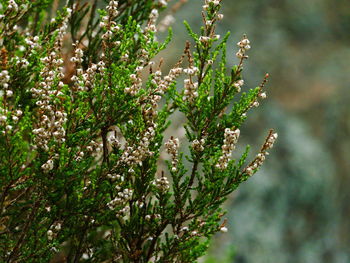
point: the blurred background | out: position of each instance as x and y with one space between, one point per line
296 209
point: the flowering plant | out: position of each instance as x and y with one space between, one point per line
81 135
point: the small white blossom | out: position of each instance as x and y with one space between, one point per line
172 147
243 47
231 138
223 229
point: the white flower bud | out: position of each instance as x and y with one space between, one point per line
9 93
223 229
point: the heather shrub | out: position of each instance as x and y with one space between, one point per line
84 104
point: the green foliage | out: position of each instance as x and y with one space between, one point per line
81 139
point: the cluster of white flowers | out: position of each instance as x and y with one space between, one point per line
115 176
32 42
4 82
107 21
216 16
208 2
62 30
262 95
149 107
113 141
149 112
173 74
261 156
50 234
164 84
191 71
79 78
255 104
136 84
172 147
157 77
188 232
107 35
3 117
87 78
4 121
52 116
198 145
190 93
151 25
243 47
94 148
53 231
16 115
78 55
83 81
21 62
79 155
48 166
137 153
112 28
112 8
238 85
121 198
128 156
52 119
148 34
206 39
12 6
231 138
147 137
162 184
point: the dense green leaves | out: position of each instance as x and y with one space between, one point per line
84 108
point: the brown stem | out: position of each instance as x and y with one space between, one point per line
104 132
154 241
